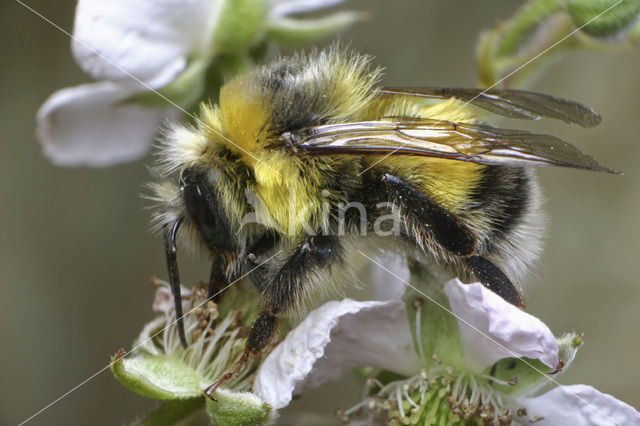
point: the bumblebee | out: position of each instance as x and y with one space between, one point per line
307 159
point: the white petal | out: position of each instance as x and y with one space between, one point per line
290 7
150 39
500 330
347 334
580 405
88 125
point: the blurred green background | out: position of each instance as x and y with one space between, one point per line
76 254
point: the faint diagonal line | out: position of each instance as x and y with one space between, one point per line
500 345
504 78
372 260
145 85
61 397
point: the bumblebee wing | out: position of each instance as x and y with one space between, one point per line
518 104
444 139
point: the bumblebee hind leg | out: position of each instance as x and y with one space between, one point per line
494 279
422 212
282 291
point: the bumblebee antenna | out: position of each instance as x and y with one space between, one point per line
174 277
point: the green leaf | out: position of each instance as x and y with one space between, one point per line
157 376
237 409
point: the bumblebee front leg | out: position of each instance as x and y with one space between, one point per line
452 235
282 291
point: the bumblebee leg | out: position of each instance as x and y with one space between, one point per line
445 228
281 292
450 234
314 255
494 279
171 252
217 279
262 331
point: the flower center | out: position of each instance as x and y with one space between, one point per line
435 396
216 333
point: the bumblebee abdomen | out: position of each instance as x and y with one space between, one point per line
502 194
499 206
505 212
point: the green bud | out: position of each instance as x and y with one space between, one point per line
568 346
577 341
616 17
237 409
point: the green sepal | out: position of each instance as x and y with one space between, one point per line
295 32
438 339
186 90
568 346
171 412
591 18
157 376
241 25
526 375
237 409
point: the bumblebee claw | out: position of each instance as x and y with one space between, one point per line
242 363
559 368
211 389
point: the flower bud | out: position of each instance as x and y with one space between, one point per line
237 408
605 19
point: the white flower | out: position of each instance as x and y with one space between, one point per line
134 47
488 368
